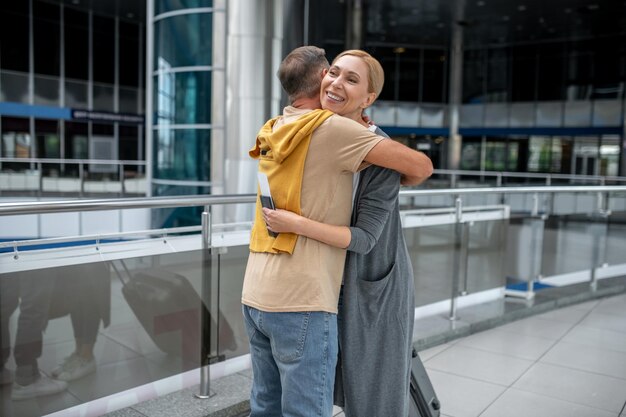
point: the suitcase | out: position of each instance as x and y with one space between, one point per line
168 308
423 401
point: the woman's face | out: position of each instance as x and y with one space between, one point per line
345 88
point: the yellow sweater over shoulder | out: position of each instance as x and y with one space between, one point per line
281 153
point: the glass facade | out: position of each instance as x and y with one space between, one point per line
523 66
181 99
86 59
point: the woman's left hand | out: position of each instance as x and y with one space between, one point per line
281 221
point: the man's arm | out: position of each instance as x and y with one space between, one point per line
414 166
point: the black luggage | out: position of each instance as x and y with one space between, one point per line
168 308
423 401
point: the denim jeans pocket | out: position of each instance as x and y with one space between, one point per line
289 334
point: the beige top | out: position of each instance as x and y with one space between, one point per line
310 279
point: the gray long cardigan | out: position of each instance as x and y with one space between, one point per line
376 312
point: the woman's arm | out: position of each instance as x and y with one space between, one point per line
377 198
283 221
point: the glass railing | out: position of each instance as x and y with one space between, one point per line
160 310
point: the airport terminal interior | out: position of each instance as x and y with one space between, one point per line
125 183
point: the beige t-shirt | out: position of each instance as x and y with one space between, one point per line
310 278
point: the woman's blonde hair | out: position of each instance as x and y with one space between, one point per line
375 73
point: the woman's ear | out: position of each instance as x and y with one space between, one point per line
369 100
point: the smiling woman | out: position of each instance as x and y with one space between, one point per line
351 84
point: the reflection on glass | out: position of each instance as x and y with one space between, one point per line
81 293
182 97
103 97
16 145
162 6
76 94
586 155
495 159
470 156
545 154
183 154
14 87
80 148
48 145
609 155
173 32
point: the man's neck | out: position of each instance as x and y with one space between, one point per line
307 103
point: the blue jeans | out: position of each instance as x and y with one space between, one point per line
293 362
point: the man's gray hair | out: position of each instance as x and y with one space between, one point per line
300 72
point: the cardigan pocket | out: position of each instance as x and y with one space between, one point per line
373 298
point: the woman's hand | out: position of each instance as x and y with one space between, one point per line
282 221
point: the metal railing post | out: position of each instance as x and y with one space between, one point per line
535 209
456 269
81 177
205 323
40 169
122 179
465 256
599 219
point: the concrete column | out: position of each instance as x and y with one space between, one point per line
354 24
622 156
253 53
456 85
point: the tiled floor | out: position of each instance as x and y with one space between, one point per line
565 363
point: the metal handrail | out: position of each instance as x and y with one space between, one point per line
528 175
150 232
98 237
41 207
447 210
72 161
517 190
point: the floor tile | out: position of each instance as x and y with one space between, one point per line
125 412
533 326
575 386
337 411
434 351
586 358
612 322
612 305
519 345
599 338
463 397
567 315
587 305
515 403
479 364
